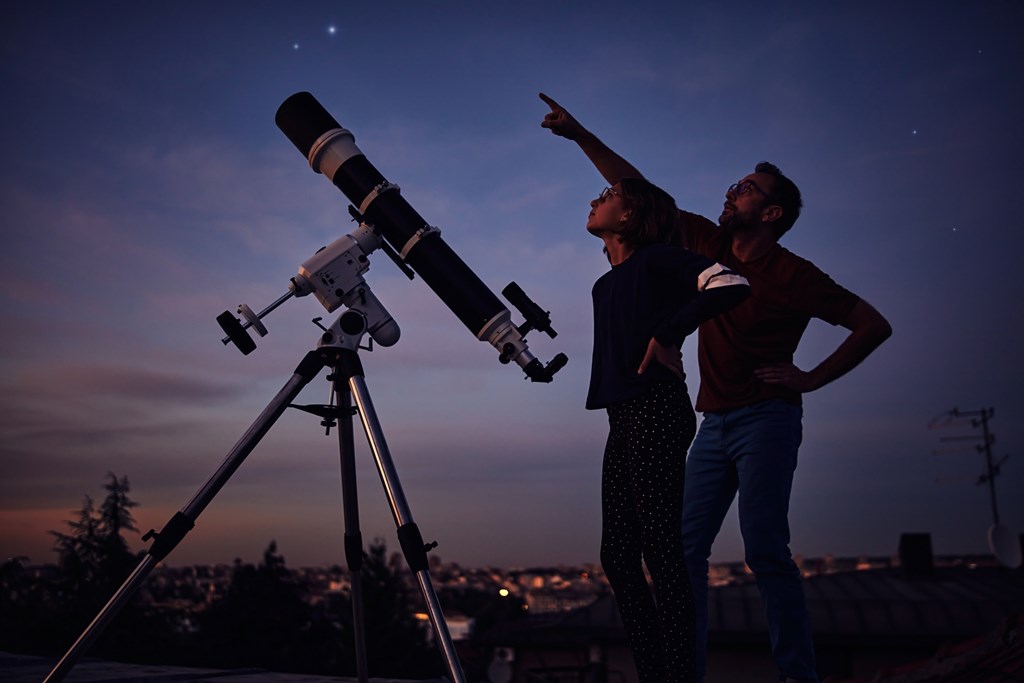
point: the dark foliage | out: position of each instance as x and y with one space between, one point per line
262 621
44 612
396 642
265 619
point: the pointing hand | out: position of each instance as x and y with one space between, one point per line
559 121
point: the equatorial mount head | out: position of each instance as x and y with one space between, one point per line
334 275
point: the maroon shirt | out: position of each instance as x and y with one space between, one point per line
786 291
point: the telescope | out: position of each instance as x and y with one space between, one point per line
334 275
389 222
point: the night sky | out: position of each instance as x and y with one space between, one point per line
145 189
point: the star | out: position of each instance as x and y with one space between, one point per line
295 46
332 30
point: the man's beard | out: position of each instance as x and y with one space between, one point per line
732 223
727 216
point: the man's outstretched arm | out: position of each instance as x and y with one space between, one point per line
609 164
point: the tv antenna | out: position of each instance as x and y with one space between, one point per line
1002 541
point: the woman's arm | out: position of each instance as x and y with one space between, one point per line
608 163
718 290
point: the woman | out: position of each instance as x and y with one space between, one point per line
654 295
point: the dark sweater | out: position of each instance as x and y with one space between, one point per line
653 293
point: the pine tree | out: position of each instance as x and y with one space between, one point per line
93 562
95 557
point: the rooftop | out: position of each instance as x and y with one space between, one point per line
28 669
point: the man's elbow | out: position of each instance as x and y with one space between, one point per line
879 332
869 324
876 327
885 331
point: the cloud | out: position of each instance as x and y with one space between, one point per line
126 383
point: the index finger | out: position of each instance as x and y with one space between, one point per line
555 106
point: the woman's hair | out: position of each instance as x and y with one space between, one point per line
653 215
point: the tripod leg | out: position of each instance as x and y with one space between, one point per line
353 536
408 533
182 522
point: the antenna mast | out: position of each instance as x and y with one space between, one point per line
1003 542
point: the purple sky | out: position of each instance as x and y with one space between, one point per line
145 189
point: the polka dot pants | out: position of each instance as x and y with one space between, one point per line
641 499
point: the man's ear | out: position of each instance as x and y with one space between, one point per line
771 213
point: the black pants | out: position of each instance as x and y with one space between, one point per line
641 500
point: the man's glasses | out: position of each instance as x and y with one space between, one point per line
743 187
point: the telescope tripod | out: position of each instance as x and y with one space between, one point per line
348 383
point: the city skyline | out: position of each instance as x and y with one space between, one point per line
146 189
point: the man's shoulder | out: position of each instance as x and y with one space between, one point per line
698 233
782 259
804 286
688 218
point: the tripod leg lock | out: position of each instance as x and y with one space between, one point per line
354 551
170 536
413 547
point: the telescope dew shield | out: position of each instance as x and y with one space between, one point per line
331 150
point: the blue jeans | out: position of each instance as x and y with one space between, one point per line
751 451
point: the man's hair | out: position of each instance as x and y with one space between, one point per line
652 213
785 193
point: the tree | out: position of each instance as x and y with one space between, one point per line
262 620
265 620
93 561
115 518
24 607
95 557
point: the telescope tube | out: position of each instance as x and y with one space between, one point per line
331 150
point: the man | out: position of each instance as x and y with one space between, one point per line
750 390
